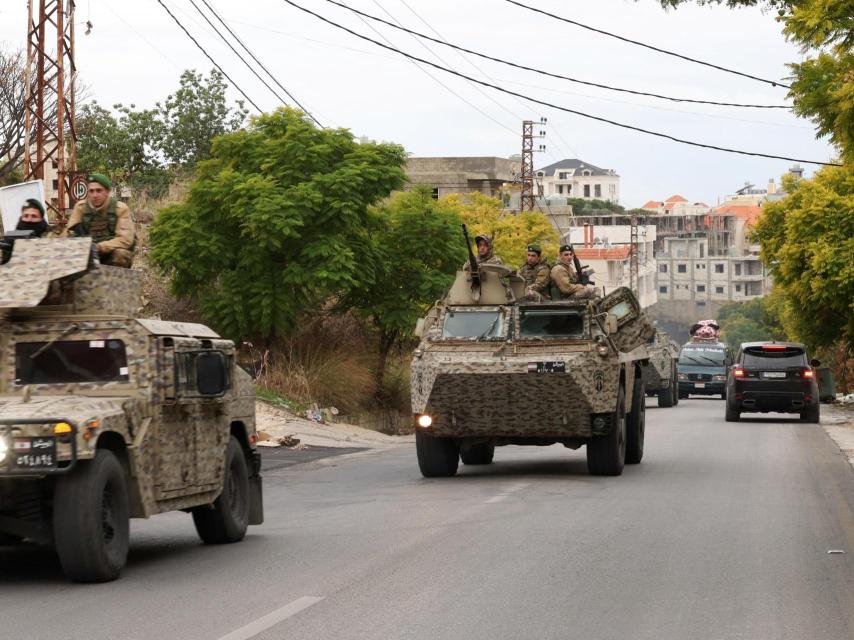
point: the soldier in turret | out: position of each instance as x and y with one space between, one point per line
107 221
565 279
536 271
485 254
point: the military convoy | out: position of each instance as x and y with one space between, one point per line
660 375
492 369
105 416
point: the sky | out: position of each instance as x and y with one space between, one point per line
135 54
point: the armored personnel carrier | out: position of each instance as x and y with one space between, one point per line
492 369
660 375
105 416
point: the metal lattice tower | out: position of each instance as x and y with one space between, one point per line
527 178
50 76
633 256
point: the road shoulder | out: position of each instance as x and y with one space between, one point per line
838 421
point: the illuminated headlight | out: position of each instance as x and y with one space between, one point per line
424 420
4 447
719 378
602 349
682 376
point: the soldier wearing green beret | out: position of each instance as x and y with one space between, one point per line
107 221
565 280
33 218
536 273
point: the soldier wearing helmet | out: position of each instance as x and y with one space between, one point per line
485 254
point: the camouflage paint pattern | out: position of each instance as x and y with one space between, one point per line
174 439
661 370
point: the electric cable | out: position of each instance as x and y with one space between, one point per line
556 75
773 83
559 107
207 55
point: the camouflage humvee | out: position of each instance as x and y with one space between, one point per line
106 417
493 370
659 376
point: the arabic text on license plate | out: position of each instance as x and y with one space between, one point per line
699 385
546 367
40 455
774 374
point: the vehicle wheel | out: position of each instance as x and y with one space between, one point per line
683 394
723 395
674 389
437 457
478 454
731 415
811 415
227 519
606 455
636 423
91 519
7 539
666 397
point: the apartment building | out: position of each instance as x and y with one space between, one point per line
573 178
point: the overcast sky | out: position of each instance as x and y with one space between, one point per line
135 54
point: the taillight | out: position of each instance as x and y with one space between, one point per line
738 373
809 374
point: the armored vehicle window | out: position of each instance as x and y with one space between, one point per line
472 324
702 355
70 361
551 323
621 310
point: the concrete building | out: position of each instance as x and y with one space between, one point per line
446 175
573 178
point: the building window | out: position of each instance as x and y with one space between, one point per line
681 268
540 190
738 269
719 268
540 174
697 266
662 268
701 288
560 188
738 288
563 175
587 191
719 289
597 190
662 289
435 193
701 303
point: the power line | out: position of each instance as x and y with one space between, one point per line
207 55
555 106
252 55
773 83
557 75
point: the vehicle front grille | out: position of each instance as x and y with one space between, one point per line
700 377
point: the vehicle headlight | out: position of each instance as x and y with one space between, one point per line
4 447
682 376
719 378
424 420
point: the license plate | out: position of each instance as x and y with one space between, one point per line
699 385
773 374
35 453
546 367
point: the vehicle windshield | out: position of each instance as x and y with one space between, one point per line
70 361
788 357
703 356
472 324
551 323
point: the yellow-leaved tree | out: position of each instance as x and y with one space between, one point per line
511 233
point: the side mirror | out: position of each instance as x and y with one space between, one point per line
211 379
611 324
815 363
419 328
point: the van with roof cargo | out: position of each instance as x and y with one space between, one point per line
702 368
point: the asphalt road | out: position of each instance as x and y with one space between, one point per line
722 532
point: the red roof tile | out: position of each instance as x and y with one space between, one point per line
652 204
746 212
595 253
676 198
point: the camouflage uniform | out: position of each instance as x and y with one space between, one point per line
537 280
116 245
565 282
489 258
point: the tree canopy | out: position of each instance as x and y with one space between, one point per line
276 221
751 321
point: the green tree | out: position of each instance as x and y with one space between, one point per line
416 250
276 222
750 321
196 114
807 239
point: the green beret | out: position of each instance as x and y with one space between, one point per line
101 179
566 247
32 203
534 248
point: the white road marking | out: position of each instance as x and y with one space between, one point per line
509 490
265 622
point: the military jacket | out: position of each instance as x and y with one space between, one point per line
565 281
537 278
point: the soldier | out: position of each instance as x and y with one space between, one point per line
33 218
565 279
107 221
485 254
535 271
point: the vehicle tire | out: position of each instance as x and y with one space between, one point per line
683 394
227 519
437 457
91 519
731 415
478 454
666 397
811 415
7 539
636 424
606 455
723 395
674 389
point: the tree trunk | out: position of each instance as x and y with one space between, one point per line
387 340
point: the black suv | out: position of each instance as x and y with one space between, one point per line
772 376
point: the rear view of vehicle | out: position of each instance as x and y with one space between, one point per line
773 376
702 369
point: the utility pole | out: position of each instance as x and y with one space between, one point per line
633 256
50 135
527 200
